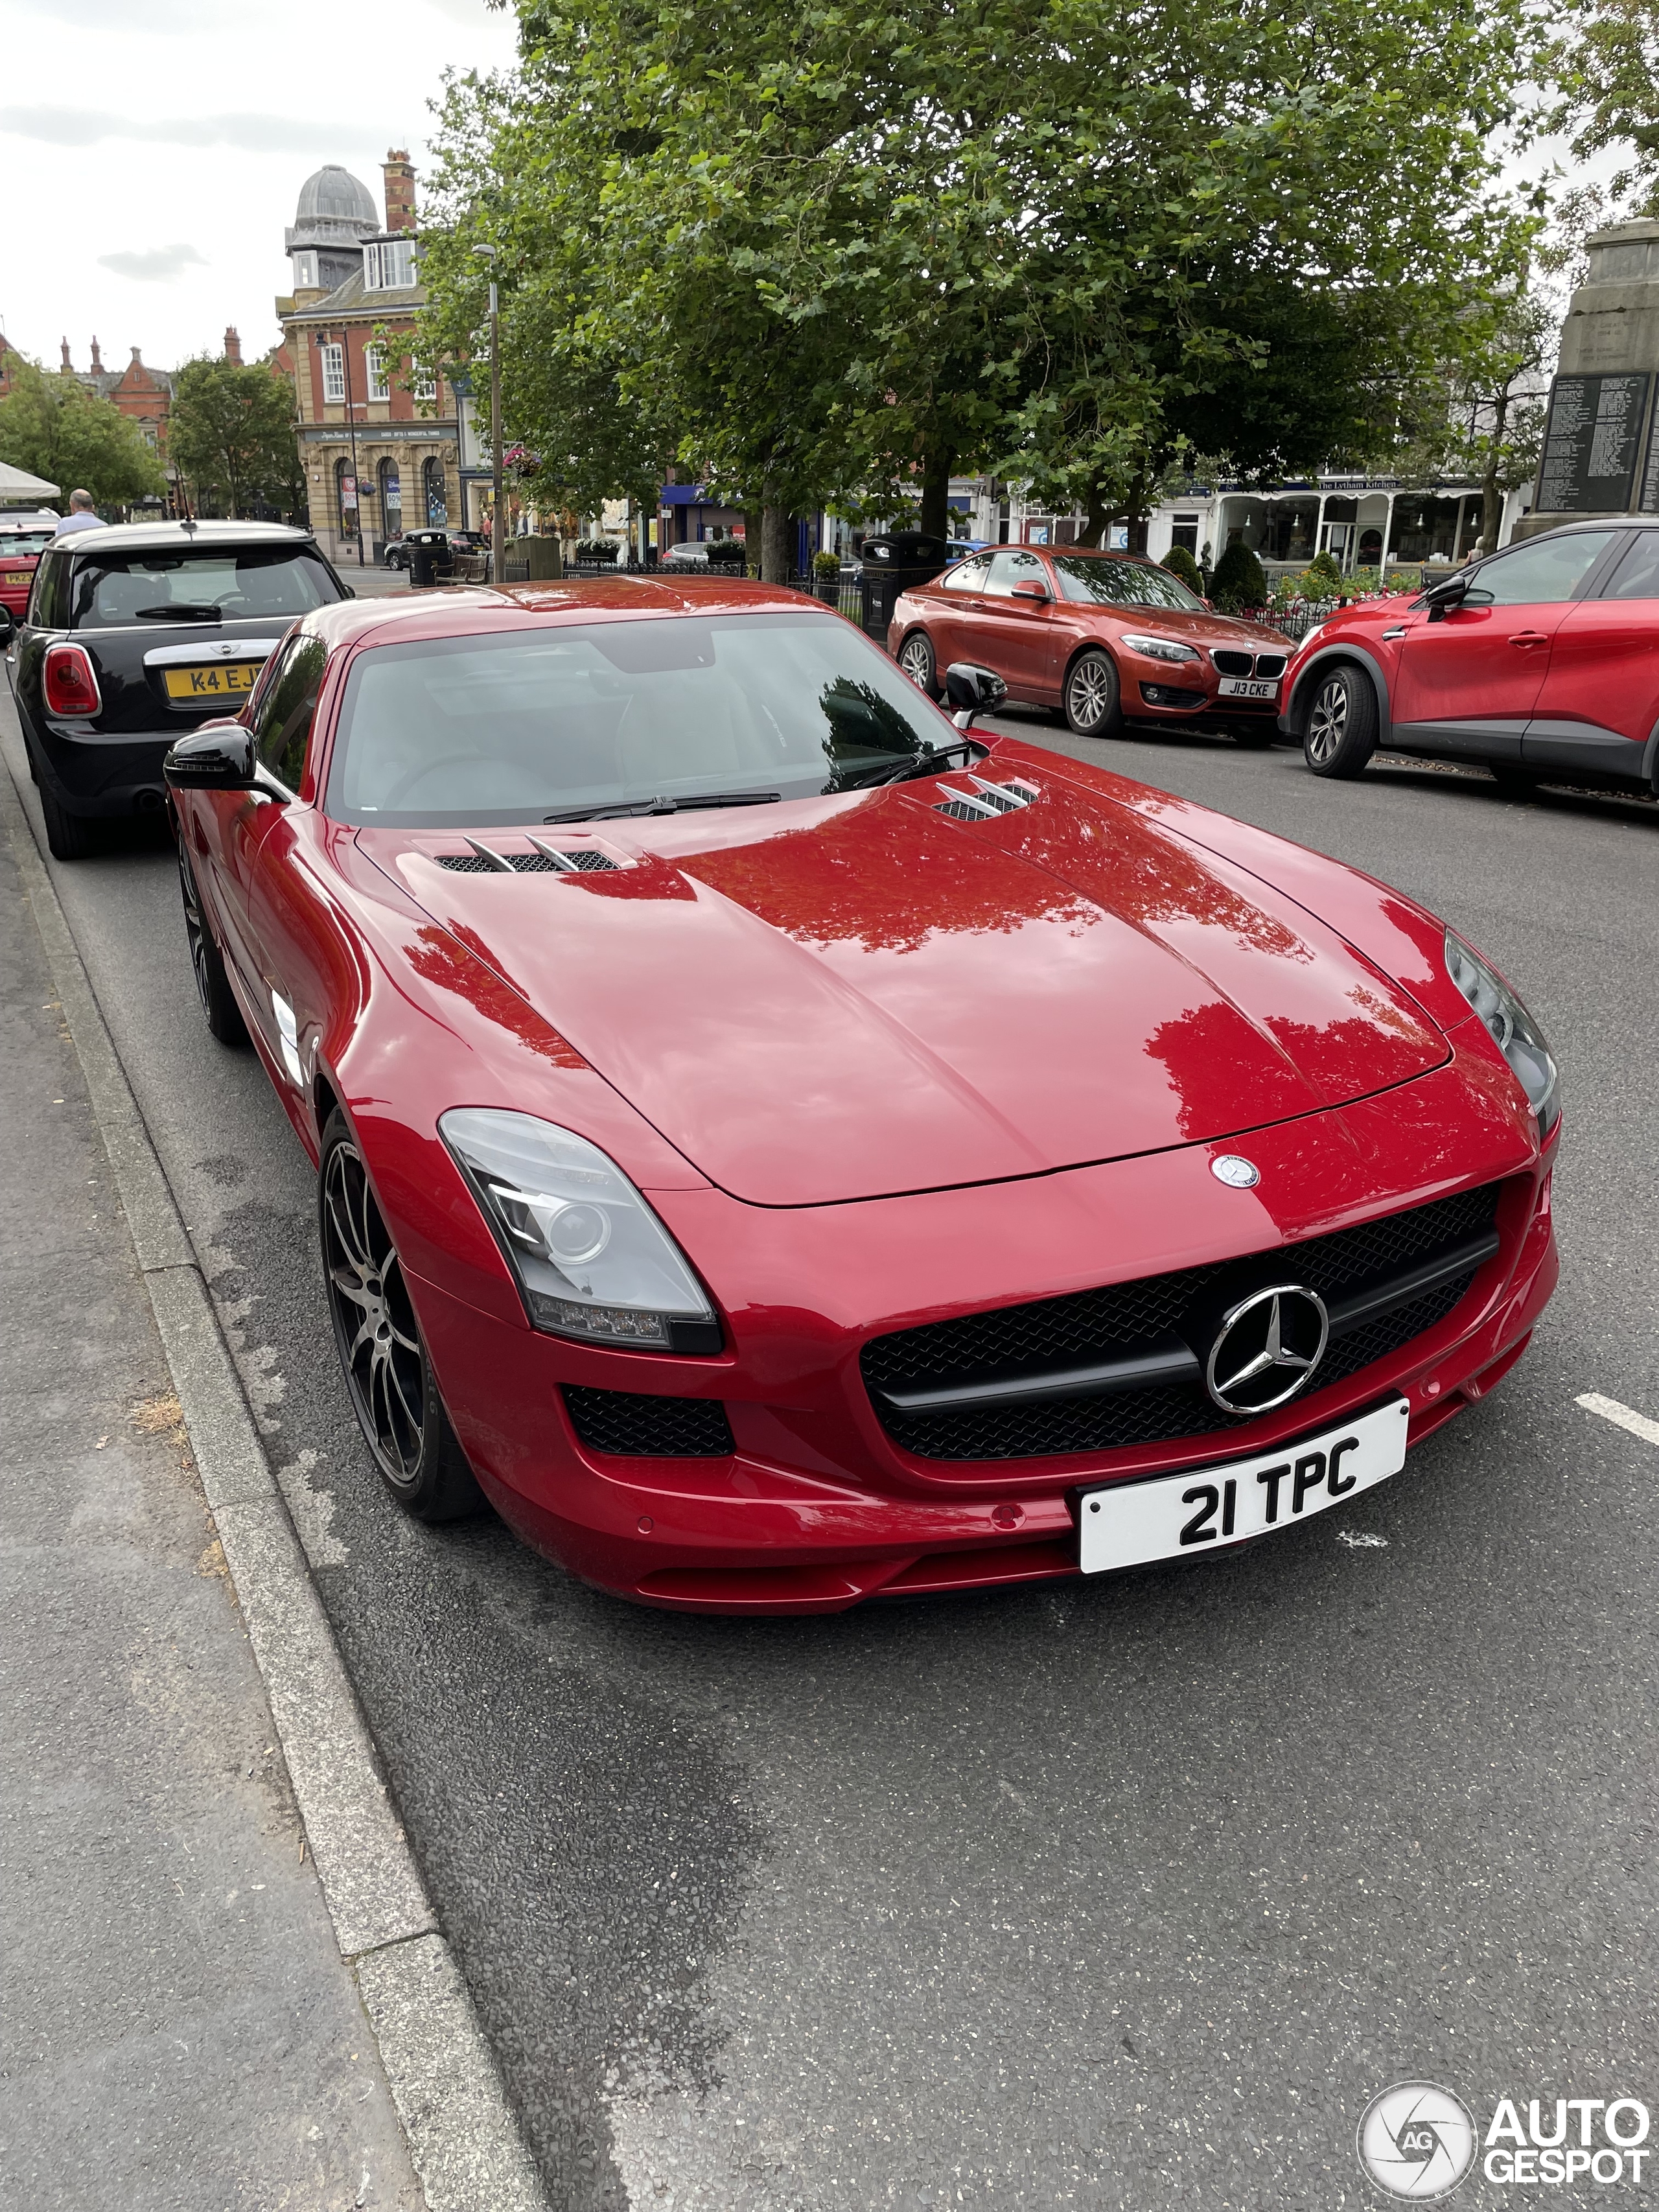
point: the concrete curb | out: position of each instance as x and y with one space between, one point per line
463 2138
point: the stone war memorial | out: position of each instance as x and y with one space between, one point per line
1601 454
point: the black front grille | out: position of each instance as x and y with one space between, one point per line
1270 664
1028 1341
629 1424
1233 664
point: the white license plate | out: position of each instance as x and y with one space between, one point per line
1178 1516
1248 687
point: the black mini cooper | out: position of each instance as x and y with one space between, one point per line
135 635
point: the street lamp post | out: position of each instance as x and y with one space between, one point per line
497 520
351 431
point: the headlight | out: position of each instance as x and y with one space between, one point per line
1158 649
593 1260
1513 1029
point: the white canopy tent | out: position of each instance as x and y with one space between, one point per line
17 485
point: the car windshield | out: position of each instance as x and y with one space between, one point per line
14 542
568 722
226 583
1123 584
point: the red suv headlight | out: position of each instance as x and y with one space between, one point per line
69 681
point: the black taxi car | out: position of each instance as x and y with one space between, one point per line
135 634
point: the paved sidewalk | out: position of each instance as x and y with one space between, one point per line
181 2032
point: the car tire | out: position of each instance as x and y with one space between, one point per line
383 1356
69 837
224 1016
916 659
1092 705
1341 735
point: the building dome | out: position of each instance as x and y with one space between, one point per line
334 195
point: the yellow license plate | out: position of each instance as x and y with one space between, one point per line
220 683
14 579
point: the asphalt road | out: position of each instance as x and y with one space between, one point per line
1129 1895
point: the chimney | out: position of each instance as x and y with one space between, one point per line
97 358
400 190
69 365
233 346
136 363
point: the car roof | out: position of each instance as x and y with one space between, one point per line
174 536
476 610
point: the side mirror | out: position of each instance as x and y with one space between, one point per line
1039 592
972 690
219 756
1440 599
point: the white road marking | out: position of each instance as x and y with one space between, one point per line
1620 1416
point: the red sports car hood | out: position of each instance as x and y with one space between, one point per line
838 999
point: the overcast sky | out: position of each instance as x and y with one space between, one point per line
154 149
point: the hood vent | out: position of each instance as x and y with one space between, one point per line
985 801
545 860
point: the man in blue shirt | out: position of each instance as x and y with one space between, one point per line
80 516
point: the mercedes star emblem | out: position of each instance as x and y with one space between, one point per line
1267 1349
1238 1174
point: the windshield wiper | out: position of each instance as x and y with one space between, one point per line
940 757
667 805
183 612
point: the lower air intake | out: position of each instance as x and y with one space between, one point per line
630 1425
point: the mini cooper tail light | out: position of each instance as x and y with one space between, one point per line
69 681
592 1259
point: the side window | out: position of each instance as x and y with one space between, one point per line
1544 572
48 600
1012 568
967 575
282 722
1637 576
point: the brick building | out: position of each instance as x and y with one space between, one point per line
380 451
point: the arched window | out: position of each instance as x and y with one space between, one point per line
437 503
345 497
391 499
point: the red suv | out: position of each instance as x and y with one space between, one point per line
23 538
1540 664
1105 637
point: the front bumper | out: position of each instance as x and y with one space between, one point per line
816 1507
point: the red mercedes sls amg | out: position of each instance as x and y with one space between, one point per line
785 1148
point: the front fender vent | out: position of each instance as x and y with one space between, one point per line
983 801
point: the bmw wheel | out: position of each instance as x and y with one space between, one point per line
224 1016
1342 732
1093 708
387 1372
916 660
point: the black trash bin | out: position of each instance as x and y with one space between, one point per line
431 556
891 565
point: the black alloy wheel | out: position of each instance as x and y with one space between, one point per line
69 837
1342 732
916 659
384 1360
224 1016
1093 708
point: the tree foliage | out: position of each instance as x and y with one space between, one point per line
53 427
1604 62
232 434
816 254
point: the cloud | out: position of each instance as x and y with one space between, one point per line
249 134
159 267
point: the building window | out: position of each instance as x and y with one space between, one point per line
374 372
388 264
1183 532
345 497
422 383
437 502
305 270
333 375
391 499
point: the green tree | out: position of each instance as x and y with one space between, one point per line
1239 581
53 427
1604 65
1181 565
232 434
